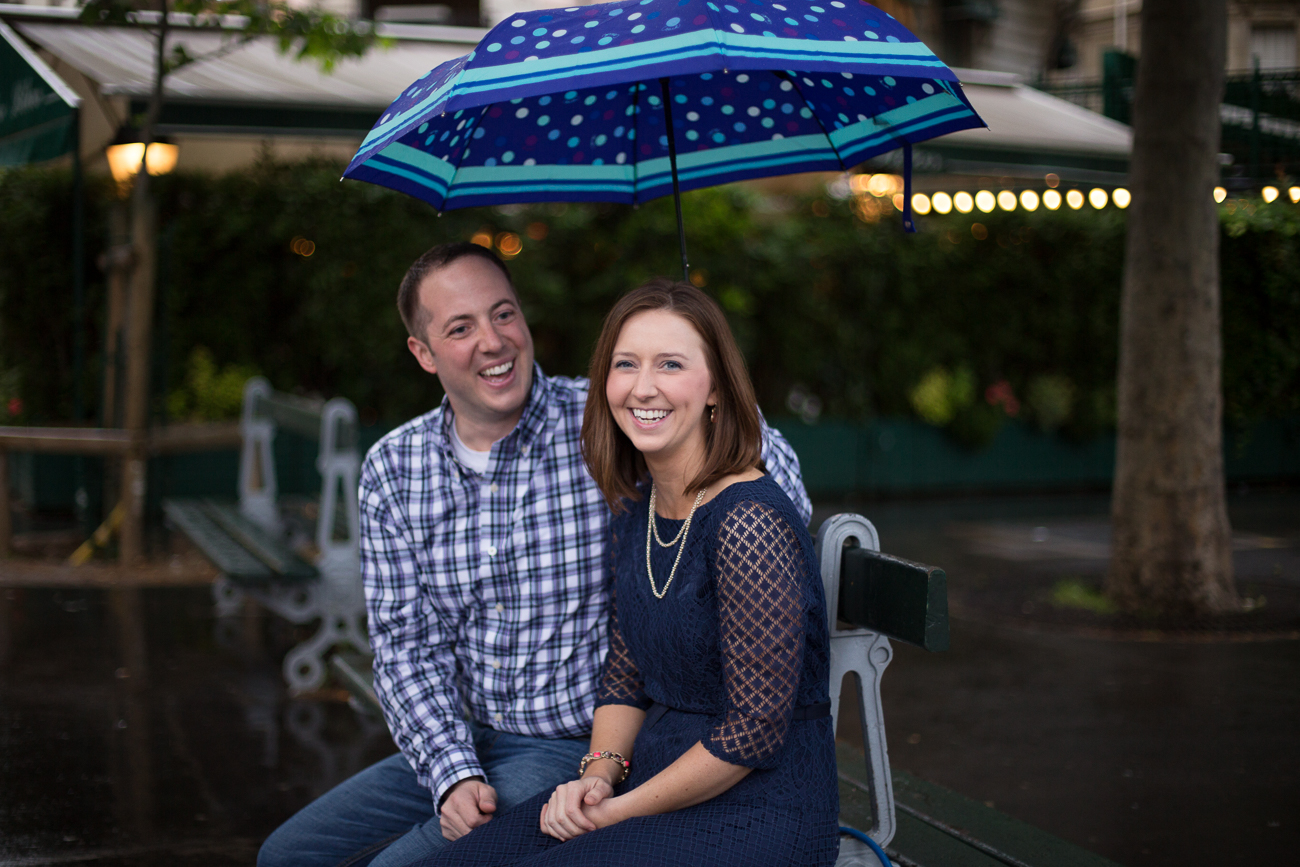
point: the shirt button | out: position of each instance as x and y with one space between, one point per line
524 450
494 487
492 550
496 663
496 717
500 607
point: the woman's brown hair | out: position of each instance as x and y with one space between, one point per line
732 442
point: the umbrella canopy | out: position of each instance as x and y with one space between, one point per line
568 104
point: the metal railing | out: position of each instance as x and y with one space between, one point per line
1260 115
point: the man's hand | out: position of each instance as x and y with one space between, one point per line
467 804
579 807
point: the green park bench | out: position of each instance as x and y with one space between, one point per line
248 541
877 597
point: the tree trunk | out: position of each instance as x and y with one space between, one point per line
1172 543
140 308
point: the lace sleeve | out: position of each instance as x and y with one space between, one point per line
620 679
761 634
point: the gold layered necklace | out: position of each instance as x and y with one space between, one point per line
652 532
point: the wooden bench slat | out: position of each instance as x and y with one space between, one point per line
896 597
358 677
298 414
192 519
286 565
1014 840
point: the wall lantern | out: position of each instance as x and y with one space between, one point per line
126 150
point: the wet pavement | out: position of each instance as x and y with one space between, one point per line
137 730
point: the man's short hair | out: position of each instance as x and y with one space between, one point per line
414 316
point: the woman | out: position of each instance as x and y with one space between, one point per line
712 740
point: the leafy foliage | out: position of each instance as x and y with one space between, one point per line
282 269
311 33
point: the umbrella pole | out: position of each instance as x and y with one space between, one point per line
677 193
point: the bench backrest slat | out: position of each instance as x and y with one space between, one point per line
897 597
290 412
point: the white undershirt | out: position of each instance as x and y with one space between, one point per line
469 459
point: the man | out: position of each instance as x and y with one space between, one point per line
483 555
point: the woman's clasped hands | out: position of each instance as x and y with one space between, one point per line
580 807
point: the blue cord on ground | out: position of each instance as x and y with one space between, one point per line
875 847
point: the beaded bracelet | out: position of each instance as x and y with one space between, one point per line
605 754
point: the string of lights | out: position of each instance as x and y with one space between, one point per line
888 189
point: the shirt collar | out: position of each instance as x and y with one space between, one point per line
530 425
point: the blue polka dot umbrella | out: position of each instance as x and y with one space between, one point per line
568 104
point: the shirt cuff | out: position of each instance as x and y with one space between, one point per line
453 764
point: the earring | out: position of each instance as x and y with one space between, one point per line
713 411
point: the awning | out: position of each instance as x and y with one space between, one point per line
1029 134
253 87
37 109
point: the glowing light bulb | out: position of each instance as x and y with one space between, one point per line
1074 198
1007 200
985 201
1270 194
1121 197
1029 200
921 204
1051 200
963 203
942 202
1294 194
1098 198
1220 194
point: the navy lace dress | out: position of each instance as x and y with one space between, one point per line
737 651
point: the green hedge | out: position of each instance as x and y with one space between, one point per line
853 318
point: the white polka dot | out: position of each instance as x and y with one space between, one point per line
692 116
928 88
786 85
742 78
518 22
737 28
752 111
576 119
521 113
621 158
558 33
530 162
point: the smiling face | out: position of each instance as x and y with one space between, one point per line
478 345
659 389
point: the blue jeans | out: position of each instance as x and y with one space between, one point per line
383 817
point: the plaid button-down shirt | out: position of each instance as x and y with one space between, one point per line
490 592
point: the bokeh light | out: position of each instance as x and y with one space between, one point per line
1294 194
1051 200
897 199
921 204
1270 194
979 231
963 203
1121 197
942 203
1029 200
483 238
1074 198
1098 198
1007 200
1052 179
884 185
1220 194
509 244
985 201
